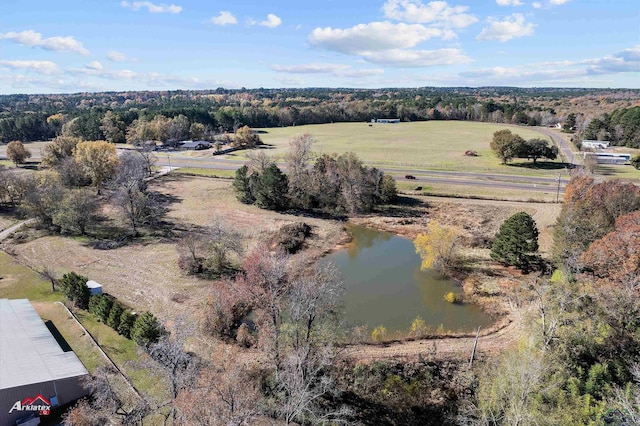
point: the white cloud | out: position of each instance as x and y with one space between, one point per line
558 2
402 58
375 36
509 3
115 56
439 13
44 67
272 21
338 70
513 26
151 7
536 5
555 73
34 39
626 61
291 81
95 65
224 18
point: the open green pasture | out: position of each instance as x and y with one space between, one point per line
438 145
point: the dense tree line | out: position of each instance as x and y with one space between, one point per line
112 116
621 127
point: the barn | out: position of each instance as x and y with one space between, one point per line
37 374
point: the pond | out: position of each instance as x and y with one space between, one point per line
385 286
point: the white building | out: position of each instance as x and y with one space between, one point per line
95 287
36 373
587 144
608 157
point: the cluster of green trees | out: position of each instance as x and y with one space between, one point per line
144 329
621 127
336 183
507 146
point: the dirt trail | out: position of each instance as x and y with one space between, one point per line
438 348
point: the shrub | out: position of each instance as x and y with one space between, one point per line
419 327
244 336
379 333
291 236
115 315
146 329
451 297
127 319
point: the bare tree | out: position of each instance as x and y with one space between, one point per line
298 159
227 393
259 161
267 284
49 274
172 361
314 298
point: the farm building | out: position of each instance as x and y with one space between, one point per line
94 287
594 144
195 145
36 373
608 158
388 120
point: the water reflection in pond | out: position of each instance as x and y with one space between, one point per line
385 286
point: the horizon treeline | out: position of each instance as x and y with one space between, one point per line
40 117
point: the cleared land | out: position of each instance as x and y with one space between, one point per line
145 274
429 144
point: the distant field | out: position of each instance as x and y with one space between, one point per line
436 145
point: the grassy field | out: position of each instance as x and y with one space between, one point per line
195 171
436 145
20 282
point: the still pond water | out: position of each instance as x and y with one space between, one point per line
385 286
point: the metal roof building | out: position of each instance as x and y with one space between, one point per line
32 363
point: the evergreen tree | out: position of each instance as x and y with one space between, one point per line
74 286
272 189
242 186
104 308
146 329
115 314
127 319
517 238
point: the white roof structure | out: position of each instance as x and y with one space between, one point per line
93 284
28 351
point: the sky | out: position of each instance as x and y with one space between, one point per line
69 46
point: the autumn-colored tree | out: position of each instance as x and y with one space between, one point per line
99 159
438 246
589 212
60 148
17 153
615 258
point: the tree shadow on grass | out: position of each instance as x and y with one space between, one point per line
404 207
543 165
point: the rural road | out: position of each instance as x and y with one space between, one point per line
10 230
528 183
563 145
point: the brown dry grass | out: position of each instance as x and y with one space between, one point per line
145 274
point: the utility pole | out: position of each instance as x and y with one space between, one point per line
558 192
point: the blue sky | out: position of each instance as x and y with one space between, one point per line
83 45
